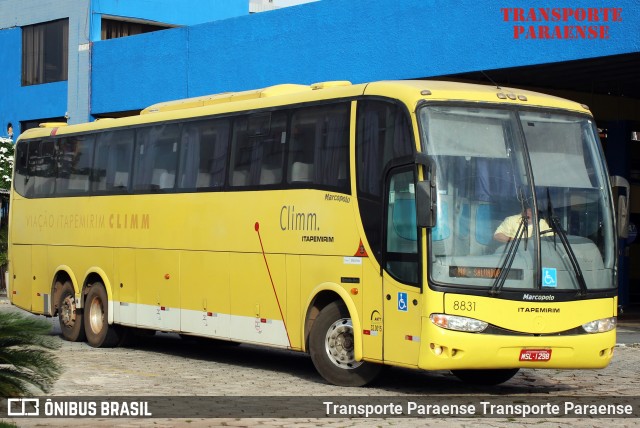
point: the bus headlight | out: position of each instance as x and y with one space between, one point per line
453 322
600 326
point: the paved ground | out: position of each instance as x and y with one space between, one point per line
165 365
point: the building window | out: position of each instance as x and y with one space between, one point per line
113 29
45 52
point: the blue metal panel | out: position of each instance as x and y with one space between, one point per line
136 71
357 40
48 100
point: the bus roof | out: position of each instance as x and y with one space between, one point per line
227 97
412 91
408 91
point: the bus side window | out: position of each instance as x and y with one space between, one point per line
332 149
241 154
156 157
402 231
301 147
203 158
257 152
383 133
42 167
318 151
22 181
112 163
273 144
74 156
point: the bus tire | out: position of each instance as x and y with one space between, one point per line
331 349
69 315
99 333
485 377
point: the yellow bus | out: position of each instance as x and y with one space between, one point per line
356 223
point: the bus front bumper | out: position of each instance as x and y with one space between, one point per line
450 350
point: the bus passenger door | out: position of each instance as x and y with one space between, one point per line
402 273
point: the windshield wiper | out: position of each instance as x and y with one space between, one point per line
554 222
505 268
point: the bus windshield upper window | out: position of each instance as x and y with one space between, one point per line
486 170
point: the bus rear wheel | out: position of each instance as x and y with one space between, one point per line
331 347
99 333
69 315
485 377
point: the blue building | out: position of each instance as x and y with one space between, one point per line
47 49
74 60
70 58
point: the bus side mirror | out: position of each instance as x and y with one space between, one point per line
426 194
622 212
425 205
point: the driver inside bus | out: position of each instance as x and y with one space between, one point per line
509 227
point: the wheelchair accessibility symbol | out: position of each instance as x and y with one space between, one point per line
402 302
549 277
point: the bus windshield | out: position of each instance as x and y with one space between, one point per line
522 200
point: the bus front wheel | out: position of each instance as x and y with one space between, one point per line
99 333
69 315
332 351
485 377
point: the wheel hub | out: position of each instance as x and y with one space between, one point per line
339 344
68 311
96 315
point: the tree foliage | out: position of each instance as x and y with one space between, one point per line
6 162
26 359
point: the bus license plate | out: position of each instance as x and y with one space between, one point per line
535 354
